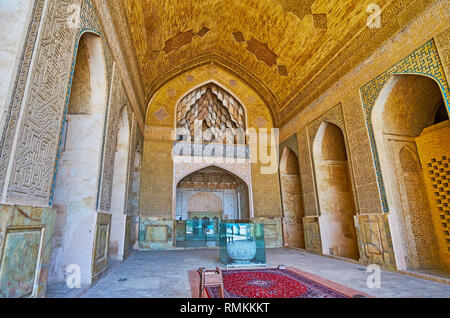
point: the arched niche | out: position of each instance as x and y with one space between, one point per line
215 183
291 194
334 190
409 117
84 123
79 165
89 90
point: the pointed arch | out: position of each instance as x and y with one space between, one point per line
89 89
409 160
289 162
204 166
224 62
77 171
406 110
242 205
334 191
291 199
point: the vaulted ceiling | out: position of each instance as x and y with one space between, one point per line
289 51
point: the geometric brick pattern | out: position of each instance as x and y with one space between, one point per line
30 175
439 172
424 61
13 109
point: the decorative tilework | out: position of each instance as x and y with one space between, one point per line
89 18
424 61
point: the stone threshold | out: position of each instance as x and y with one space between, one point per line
430 277
325 255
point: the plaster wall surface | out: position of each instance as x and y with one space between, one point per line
292 201
205 202
77 182
243 202
337 210
191 200
13 25
57 270
76 189
334 192
413 211
119 192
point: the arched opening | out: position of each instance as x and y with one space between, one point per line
204 198
78 171
411 127
334 187
291 194
120 188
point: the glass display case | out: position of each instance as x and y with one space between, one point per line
197 233
242 244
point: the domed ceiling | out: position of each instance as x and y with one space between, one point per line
293 50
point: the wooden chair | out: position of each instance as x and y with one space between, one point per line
211 278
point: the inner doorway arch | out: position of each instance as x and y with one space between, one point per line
231 189
411 127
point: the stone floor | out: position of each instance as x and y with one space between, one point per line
163 274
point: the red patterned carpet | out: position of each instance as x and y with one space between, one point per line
275 283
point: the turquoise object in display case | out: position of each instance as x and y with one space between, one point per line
242 244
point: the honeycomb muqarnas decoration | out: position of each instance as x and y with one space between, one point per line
213 106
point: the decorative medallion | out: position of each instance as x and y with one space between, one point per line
262 52
161 114
260 122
